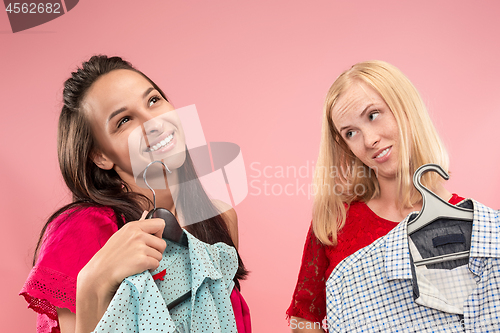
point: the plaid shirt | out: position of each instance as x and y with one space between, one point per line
374 290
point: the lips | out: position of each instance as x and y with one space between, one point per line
160 142
381 153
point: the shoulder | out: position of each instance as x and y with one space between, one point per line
82 224
355 206
84 216
73 236
357 211
100 213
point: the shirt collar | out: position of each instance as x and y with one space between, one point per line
486 227
485 232
217 261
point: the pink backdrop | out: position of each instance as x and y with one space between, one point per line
258 72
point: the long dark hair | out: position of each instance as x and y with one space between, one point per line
93 186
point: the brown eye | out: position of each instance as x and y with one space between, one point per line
153 100
123 121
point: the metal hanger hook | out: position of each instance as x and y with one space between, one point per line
145 180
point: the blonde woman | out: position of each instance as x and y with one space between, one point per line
376 132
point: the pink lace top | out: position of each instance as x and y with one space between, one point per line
69 243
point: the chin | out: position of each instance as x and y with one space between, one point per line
175 161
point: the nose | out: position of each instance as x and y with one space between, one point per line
152 125
372 138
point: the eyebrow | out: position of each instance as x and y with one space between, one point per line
120 110
146 93
361 115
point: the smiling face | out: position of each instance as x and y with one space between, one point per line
133 124
369 128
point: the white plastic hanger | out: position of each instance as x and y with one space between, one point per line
433 208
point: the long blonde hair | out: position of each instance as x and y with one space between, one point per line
341 178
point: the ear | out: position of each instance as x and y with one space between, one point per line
102 161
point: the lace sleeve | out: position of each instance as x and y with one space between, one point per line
309 300
70 241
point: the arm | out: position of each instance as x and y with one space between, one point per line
132 249
67 320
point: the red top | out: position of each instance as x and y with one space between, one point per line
362 227
69 244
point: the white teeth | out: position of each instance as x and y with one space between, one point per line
162 143
383 153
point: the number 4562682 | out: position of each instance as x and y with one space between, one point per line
33 8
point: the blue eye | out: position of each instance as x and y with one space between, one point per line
350 134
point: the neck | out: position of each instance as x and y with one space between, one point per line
389 194
389 191
388 203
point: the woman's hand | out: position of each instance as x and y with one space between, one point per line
136 247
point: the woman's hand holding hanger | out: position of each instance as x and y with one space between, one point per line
134 248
